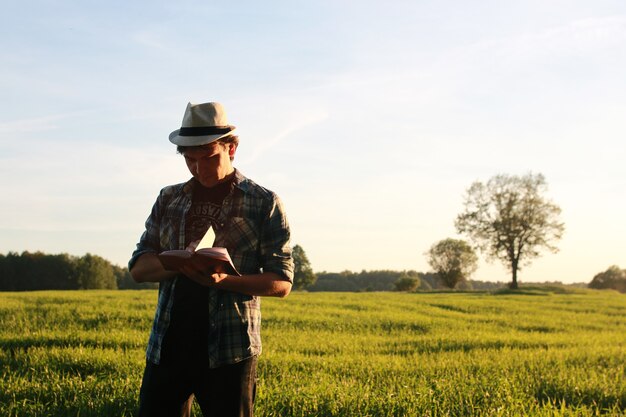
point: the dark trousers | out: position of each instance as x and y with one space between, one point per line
227 391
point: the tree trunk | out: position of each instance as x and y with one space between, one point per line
514 285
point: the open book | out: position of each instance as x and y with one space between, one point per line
215 259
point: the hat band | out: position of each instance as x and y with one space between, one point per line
204 130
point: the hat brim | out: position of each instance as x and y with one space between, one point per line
179 140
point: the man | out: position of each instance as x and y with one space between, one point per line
206 333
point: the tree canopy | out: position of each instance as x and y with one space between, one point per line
453 261
407 283
30 271
93 271
303 272
613 278
511 220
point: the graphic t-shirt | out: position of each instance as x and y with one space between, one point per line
188 334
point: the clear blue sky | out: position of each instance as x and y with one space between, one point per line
370 119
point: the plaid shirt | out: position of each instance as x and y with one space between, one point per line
253 227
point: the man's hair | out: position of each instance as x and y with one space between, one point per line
234 139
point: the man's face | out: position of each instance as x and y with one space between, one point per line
211 163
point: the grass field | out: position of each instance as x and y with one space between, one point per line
537 352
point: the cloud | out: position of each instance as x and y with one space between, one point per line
265 144
69 186
585 37
151 40
37 124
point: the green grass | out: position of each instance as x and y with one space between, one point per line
535 352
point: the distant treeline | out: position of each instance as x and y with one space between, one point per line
30 271
385 280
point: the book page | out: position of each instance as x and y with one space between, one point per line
208 239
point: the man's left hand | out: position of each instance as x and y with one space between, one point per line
202 277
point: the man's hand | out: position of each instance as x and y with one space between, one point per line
202 277
192 246
197 271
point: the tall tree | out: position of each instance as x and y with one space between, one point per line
303 273
511 220
453 261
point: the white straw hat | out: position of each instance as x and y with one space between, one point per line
202 123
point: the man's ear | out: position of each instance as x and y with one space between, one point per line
232 148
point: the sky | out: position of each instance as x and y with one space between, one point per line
369 119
